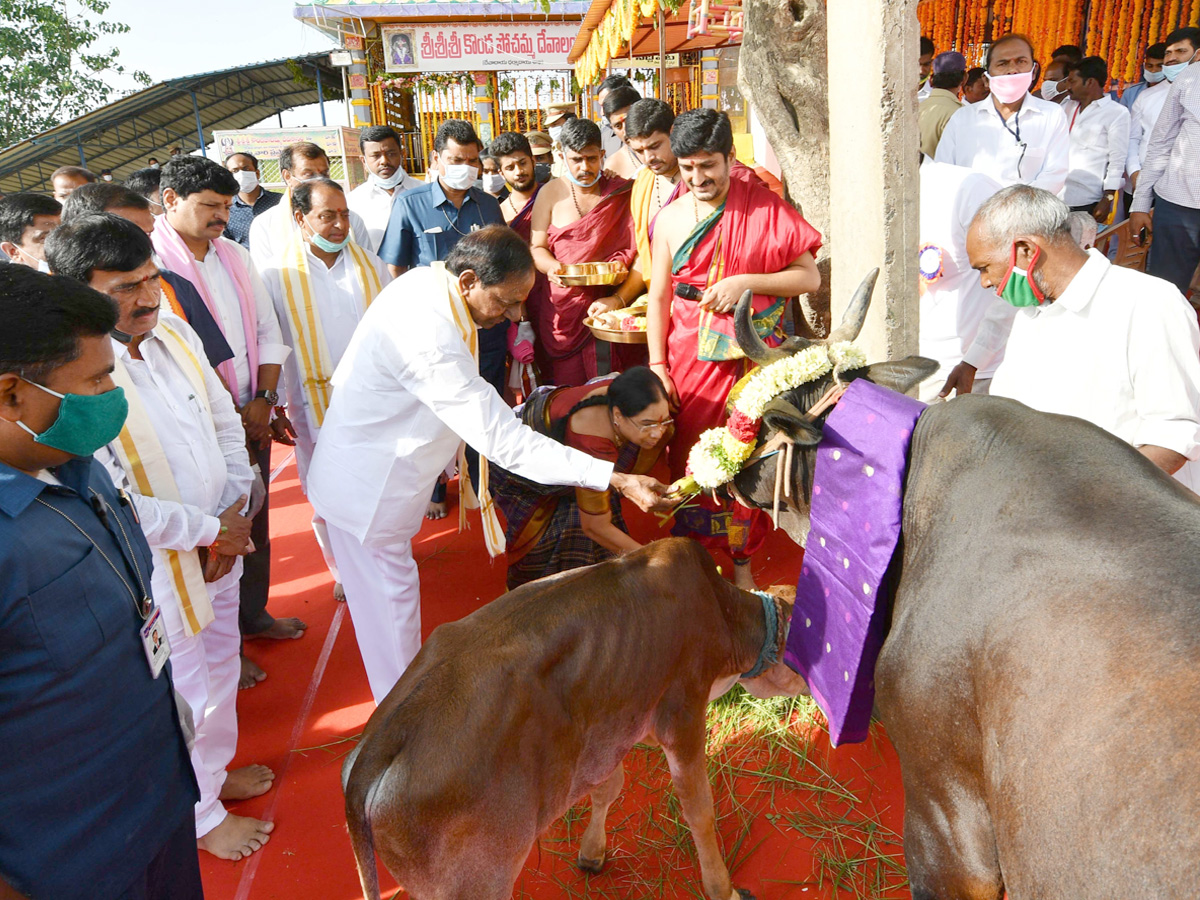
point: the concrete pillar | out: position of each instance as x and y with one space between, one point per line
359 108
874 185
710 89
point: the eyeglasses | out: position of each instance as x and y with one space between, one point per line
651 426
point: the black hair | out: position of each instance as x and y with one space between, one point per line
377 134
1183 34
619 98
510 143
947 81
250 156
99 197
187 175
647 117
495 253
973 75
927 47
1069 52
1092 67
44 318
579 133
17 212
302 194
97 241
632 392
701 131
1157 51
74 171
1008 39
457 130
303 149
144 181
612 82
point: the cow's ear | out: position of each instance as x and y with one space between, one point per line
783 416
902 374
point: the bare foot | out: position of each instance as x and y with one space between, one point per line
236 837
252 674
436 510
339 592
743 577
280 630
247 782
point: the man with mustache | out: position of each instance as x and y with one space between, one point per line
181 457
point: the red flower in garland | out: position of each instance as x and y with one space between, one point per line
742 426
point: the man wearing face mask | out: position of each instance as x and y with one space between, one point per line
407 391
181 459
75 660
271 232
1143 114
342 279
25 221
557 115
1103 343
252 199
543 154
493 182
1152 74
383 155
1013 137
1054 88
1170 178
581 217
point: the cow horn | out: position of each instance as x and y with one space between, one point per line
752 344
856 312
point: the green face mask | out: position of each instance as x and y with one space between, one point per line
85 422
1018 287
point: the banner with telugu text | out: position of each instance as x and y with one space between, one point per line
477 47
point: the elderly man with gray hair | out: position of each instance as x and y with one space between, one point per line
1114 346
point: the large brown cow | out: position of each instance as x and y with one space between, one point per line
509 716
1041 676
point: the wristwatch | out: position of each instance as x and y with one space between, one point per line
271 397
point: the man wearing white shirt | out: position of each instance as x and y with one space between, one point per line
925 64
181 457
270 232
406 393
197 194
963 326
1107 344
1013 136
1144 109
342 279
1099 128
383 155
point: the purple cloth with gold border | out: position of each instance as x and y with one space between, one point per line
838 622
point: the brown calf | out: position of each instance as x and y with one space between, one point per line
508 717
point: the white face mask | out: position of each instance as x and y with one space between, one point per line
387 183
41 264
1050 90
247 181
459 178
554 131
493 183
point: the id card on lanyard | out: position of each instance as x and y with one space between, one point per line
154 642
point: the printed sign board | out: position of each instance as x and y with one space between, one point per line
477 47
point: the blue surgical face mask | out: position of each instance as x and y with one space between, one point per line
1153 77
583 184
327 245
1173 71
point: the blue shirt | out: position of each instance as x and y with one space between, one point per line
94 771
408 241
1131 93
242 214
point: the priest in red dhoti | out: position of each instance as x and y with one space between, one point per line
724 236
579 218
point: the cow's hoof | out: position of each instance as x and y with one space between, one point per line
591 865
744 894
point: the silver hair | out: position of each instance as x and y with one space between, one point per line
1024 210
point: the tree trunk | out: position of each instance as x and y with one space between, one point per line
782 74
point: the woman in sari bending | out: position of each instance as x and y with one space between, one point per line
624 419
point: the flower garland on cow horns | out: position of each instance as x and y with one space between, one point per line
720 453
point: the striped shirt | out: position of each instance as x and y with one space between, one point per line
1172 166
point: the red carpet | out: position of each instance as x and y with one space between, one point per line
315 699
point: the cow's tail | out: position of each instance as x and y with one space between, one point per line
358 793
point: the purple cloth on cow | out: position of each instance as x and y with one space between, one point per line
837 624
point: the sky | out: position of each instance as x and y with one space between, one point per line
169 40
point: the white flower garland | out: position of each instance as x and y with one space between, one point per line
720 453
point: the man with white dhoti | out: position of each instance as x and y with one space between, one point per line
197 194
406 395
181 457
321 287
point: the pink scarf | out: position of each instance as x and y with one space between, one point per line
178 258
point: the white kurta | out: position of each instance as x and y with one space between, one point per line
221 286
266 244
1099 146
1120 349
959 318
1033 147
374 206
208 460
1142 119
